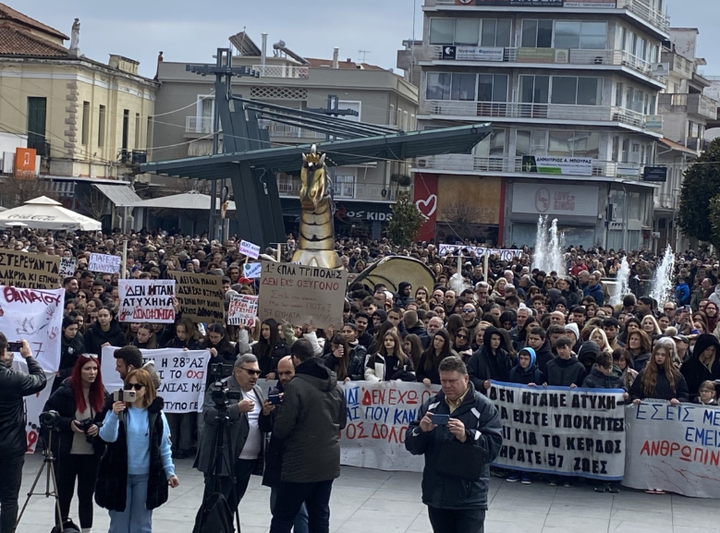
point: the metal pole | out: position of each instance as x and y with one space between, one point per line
486 266
212 222
123 269
625 219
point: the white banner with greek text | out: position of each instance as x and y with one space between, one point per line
242 310
108 264
479 251
146 300
558 430
674 448
182 373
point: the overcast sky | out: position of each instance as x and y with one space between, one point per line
190 31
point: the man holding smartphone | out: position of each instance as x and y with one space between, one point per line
455 418
14 386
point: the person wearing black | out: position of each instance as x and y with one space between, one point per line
312 415
457 501
362 322
13 443
71 346
270 348
105 332
440 348
347 363
221 351
80 402
703 365
492 361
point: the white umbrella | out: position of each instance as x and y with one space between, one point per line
46 213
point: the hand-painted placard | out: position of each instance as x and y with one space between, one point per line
252 270
200 296
68 265
146 300
242 310
249 249
107 264
30 271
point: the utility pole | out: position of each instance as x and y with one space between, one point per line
224 72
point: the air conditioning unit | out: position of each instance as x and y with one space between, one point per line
139 157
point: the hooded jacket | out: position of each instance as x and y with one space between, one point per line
70 350
483 365
312 415
589 350
544 355
565 372
596 292
400 299
694 371
531 374
95 337
598 380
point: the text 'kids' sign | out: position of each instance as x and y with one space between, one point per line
675 448
146 300
378 416
30 271
200 295
557 430
182 375
302 294
107 264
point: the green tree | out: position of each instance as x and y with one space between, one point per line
406 221
715 219
701 184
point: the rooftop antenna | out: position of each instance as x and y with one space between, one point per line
364 54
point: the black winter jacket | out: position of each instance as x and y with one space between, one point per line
111 485
95 337
356 365
663 390
565 372
479 416
484 365
63 401
312 414
422 333
269 364
13 387
597 380
275 446
544 355
525 376
694 371
70 350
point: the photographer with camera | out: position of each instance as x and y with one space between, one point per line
237 401
79 404
13 442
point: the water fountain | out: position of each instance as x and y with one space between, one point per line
622 281
541 244
548 253
663 281
556 261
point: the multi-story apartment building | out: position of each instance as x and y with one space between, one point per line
687 110
571 89
85 119
363 193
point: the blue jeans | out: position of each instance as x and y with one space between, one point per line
290 497
135 518
301 520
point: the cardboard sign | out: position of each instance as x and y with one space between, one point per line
146 300
249 249
30 271
673 448
243 310
68 265
181 372
558 430
252 270
302 294
201 296
107 264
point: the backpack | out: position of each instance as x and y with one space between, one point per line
214 516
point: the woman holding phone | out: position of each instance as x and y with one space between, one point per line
137 467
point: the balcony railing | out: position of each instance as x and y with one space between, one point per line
521 110
546 55
471 163
696 104
282 71
288 188
656 18
666 201
195 124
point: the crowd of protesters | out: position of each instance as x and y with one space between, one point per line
518 324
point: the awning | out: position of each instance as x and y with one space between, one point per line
120 195
186 201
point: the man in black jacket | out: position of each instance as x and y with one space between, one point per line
312 415
13 387
455 504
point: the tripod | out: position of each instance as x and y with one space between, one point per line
49 464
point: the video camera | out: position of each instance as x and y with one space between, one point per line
222 396
49 420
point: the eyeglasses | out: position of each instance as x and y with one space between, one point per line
136 386
468 310
252 372
91 355
460 336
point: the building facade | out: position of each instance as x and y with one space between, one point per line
363 193
572 94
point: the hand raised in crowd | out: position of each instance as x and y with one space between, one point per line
118 407
25 350
268 407
213 352
427 382
309 327
245 405
674 402
339 351
457 428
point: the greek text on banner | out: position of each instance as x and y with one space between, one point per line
146 300
558 430
182 374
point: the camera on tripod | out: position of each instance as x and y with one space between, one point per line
49 420
222 396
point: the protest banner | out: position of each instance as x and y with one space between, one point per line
243 310
34 405
674 448
302 294
146 300
36 316
479 251
182 374
201 296
29 271
252 270
378 415
68 265
107 264
249 249
558 430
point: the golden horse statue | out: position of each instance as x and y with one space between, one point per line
316 245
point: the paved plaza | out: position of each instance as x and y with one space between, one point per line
372 501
